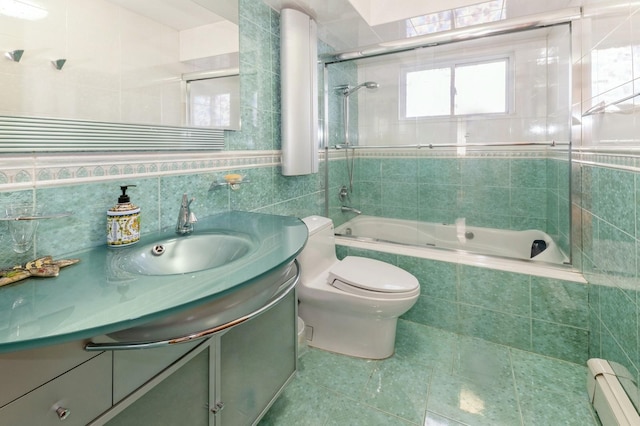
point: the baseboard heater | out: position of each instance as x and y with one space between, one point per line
608 396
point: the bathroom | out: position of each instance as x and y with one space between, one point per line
603 188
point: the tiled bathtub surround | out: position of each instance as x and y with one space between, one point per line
542 315
496 189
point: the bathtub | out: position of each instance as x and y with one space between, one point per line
494 248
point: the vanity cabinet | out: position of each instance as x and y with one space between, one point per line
75 397
230 380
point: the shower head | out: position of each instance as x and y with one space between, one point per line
347 90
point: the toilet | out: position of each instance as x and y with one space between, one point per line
350 306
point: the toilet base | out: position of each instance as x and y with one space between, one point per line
357 336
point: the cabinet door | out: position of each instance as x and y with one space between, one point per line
131 369
26 370
81 394
181 399
257 358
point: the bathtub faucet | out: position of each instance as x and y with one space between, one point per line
345 209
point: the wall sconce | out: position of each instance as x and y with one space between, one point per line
59 63
14 55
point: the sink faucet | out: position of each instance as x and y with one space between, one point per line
186 218
345 209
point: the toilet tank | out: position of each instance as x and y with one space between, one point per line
320 251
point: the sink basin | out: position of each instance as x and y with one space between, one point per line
185 254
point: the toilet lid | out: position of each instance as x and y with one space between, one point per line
371 275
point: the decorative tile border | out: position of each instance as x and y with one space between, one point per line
19 172
622 159
469 152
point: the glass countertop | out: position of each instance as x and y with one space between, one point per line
98 296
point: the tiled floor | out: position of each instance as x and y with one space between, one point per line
435 378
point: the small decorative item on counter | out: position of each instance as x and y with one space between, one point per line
123 221
41 267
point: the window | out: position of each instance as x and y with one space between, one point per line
455 89
480 13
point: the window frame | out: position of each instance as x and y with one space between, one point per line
508 58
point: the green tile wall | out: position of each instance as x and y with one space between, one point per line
159 196
506 193
605 206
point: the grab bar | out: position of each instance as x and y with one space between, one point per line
453 145
121 346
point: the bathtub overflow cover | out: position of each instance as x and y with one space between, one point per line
157 250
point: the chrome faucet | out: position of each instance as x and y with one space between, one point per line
186 218
345 209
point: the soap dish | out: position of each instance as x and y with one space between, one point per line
232 180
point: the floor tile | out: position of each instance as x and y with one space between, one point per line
428 346
468 402
483 362
342 374
352 413
435 378
399 388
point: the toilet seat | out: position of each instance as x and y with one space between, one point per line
369 277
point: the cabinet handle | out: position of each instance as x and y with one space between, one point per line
218 407
63 413
119 346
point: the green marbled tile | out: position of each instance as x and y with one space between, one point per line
368 169
433 312
483 363
541 407
559 341
485 172
595 330
470 403
400 170
352 413
432 419
558 301
532 371
399 388
439 171
528 173
616 188
427 346
443 197
368 193
437 279
619 314
496 290
612 350
615 255
345 375
529 202
301 403
498 327
395 195
484 200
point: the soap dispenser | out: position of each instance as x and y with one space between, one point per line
123 221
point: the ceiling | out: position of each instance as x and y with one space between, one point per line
183 14
348 24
